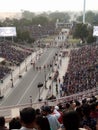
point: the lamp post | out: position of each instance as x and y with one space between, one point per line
20 71
84 5
31 101
25 65
39 26
45 77
31 58
52 67
12 78
40 85
36 55
52 86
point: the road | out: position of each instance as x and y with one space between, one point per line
27 86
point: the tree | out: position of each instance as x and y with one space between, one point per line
62 16
40 20
80 31
95 21
89 16
28 15
90 38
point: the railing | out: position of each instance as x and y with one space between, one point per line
12 111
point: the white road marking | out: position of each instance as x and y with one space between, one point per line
33 79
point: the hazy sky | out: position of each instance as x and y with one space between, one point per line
46 5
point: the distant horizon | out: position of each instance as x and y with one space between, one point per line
46 11
18 15
39 6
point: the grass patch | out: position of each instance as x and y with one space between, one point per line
74 41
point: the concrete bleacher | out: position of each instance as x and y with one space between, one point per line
12 111
6 86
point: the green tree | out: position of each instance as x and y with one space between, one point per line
90 38
62 16
95 21
40 20
90 17
80 31
28 15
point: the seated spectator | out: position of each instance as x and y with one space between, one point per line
2 123
81 73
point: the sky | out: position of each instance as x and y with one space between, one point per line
46 5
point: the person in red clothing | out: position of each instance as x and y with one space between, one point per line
94 111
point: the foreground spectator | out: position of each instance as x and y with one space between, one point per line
27 118
2 123
61 114
14 124
42 123
71 120
88 121
54 124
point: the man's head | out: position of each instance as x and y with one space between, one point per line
27 117
71 120
45 110
2 121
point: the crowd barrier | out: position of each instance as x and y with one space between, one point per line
13 111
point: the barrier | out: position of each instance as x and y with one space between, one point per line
7 111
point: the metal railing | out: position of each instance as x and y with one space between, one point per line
8 110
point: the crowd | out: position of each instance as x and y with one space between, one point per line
4 71
82 72
81 75
13 55
73 115
39 31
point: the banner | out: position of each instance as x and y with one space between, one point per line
7 31
1 59
95 31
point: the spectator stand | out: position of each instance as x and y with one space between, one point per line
14 75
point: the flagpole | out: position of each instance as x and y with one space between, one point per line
84 5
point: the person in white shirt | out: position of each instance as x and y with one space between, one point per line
54 124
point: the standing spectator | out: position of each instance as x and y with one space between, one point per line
14 124
27 118
56 89
42 123
55 112
88 121
54 124
61 114
2 123
71 120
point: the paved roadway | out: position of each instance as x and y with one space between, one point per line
27 86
